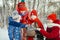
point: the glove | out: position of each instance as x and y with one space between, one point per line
26 25
38 29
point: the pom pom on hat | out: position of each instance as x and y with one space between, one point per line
21 7
21 3
22 0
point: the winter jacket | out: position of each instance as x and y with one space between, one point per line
52 33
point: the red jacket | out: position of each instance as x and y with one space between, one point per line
52 33
30 21
40 25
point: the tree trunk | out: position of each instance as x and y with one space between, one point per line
3 13
14 4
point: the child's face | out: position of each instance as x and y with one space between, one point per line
23 12
50 21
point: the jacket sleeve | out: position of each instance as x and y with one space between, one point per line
53 34
39 23
23 26
16 24
12 22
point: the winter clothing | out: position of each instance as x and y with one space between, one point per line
22 11
17 25
21 7
33 18
52 32
14 29
34 12
52 16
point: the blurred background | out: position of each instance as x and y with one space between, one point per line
43 7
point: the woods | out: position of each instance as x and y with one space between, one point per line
43 7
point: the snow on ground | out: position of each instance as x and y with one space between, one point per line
4 34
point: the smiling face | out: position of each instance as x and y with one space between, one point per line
49 21
23 13
22 8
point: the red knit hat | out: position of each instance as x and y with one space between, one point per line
21 3
21 7
52 16
34 12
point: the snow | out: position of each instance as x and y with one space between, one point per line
4 34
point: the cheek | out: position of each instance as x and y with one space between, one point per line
22 12
48 21
51 21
